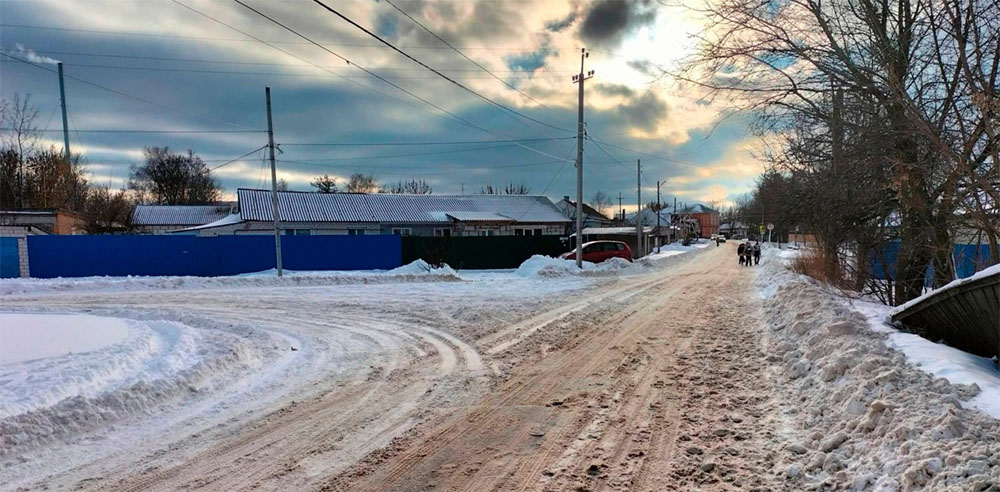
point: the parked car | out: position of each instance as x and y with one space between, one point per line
598 251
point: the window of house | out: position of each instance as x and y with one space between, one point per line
402 231
442 232
355 232
487 232
519 232
298 232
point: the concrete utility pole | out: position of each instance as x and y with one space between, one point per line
659 208
274 183
62 102
672 213
578 79
638 208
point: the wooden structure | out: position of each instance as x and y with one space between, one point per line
965 316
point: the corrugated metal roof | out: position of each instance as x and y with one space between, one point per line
479 217
296 206
180 215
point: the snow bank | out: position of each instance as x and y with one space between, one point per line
860 414
152 363
545 266
417 271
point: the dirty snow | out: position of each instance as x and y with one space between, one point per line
873 409
417 271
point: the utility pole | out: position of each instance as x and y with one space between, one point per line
638 208
659 208
62 102
274 183
620 209
578 79
672 213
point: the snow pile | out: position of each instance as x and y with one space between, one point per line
421 267
417 271
133 367
860 416
546 266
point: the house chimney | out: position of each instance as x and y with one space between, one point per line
566 198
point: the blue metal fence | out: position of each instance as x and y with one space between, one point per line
84 256
969 258
9 265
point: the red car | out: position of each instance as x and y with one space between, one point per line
598 251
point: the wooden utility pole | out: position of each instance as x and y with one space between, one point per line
274 183
578 79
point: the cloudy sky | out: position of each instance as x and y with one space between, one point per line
144 71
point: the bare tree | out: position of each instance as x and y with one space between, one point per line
362 183
107 211
281 185
173 179
602 202
509 189
830 77
19 141
412 187
324 184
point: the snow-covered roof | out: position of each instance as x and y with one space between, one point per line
178 215
649 217
732 225
227 220
479 217
697 208
297 206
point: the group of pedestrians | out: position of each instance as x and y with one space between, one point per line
749 253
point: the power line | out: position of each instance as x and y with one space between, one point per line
209 38
258 149
233 62
388 144
433 70
149 131
474 62
660 157
478 127
124 94
272 74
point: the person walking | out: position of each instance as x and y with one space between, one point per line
748 254
741 252
756 253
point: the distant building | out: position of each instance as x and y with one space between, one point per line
47 221
308 213
591 216
708 218
734 230
160 219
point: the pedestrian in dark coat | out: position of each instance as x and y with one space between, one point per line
740 251
756 253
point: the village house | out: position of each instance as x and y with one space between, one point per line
161 219
311 213
46 221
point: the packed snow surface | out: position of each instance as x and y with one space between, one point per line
36 336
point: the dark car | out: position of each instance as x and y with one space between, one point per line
598 251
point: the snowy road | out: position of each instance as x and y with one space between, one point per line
680 376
